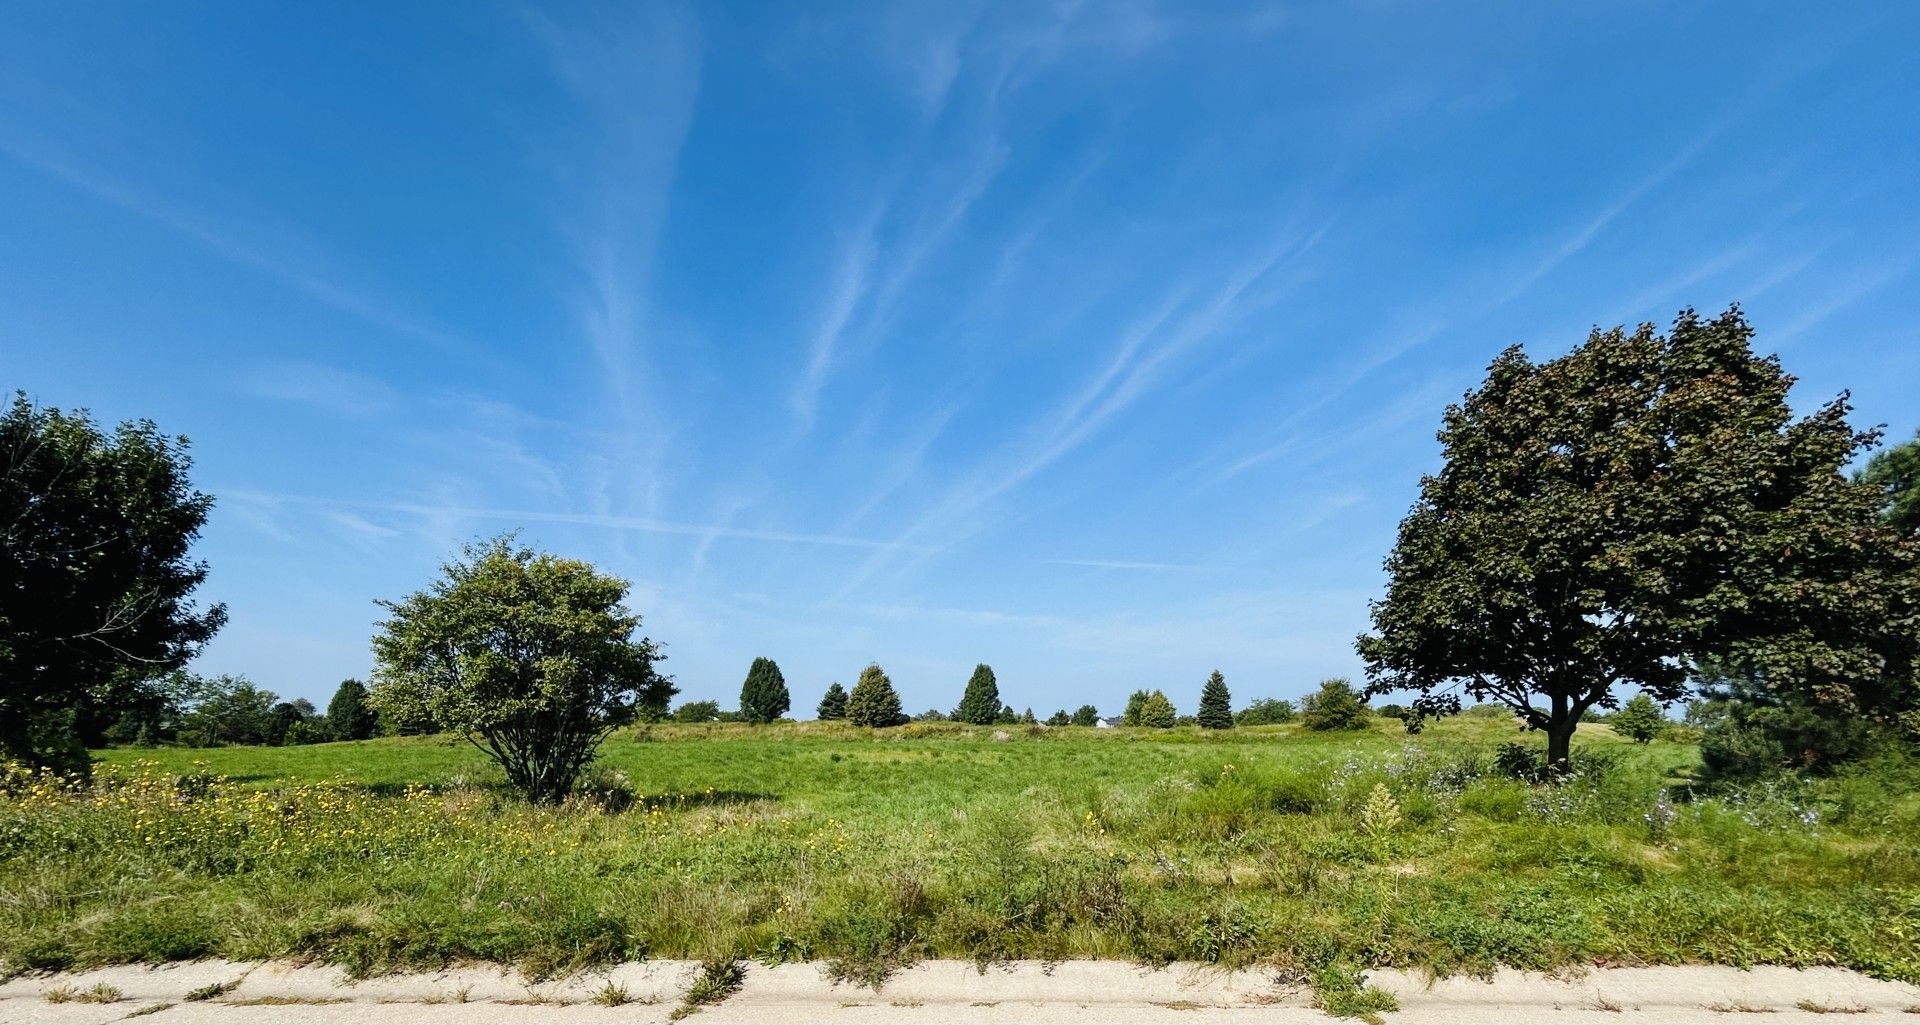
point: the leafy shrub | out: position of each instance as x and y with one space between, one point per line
1335 706
1265 712
1157 712
1640 720
698 711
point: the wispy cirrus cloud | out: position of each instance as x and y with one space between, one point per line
225 227
340 392
1184 319
634 77
448 516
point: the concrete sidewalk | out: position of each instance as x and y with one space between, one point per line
944 991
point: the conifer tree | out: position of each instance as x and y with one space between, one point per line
764 697
834 704
1060 718
980 705
873 701
1086 715
1135 702
1216 705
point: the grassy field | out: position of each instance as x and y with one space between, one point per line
1319 855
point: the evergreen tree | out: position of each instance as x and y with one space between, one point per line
764 697
1086 715
1157 712
1640 721
873 701
1060 718
1007 716
834 704
1135 702
1027 719
980 705
349 717
1216 705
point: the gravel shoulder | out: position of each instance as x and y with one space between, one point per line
944 991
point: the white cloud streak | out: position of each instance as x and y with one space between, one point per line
248 241
447 515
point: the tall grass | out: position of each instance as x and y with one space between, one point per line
1317 857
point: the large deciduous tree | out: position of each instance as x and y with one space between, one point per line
1615 516
980 704
1216 704
532 657
95 579
764 697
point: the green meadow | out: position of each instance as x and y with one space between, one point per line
1316 855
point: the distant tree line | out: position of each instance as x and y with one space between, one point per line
1612 531
1338 705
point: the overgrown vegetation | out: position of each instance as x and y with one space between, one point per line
1319 855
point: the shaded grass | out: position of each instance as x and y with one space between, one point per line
873 849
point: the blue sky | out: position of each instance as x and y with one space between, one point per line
1101 342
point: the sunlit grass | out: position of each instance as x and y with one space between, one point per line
1318 855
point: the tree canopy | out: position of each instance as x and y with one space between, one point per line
764 697
1158 712
1086 715
349 717
1639 720
1216 705
95 577
1265 712
873 701
1894 473
1335 706
980 704
1612 517
530 656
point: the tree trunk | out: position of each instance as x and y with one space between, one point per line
1560 735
